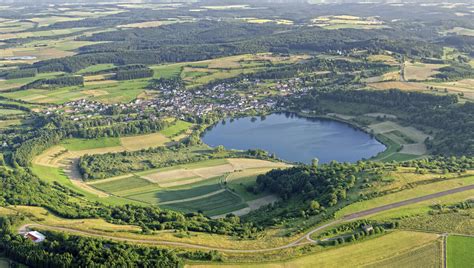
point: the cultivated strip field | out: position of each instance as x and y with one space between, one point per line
183 176
196 186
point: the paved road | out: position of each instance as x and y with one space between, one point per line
304 240
407 202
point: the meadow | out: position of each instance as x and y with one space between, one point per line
367 252
420 190
459 251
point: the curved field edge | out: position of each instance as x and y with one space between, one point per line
360 254
406 194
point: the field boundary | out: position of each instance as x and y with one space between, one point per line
303 240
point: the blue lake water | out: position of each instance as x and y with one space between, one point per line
295 138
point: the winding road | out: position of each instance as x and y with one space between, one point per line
304 240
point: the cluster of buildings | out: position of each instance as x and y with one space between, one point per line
226 98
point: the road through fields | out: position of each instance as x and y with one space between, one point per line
304 240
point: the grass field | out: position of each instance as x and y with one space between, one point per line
420 190
214 205
52 174
383 58
239 181
421 71
122 92
430 255
10 111
42 216
48 33
460 251
178 128
96 68
7 123
14 83
86 144
359 254
404 143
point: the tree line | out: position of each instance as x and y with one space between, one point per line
451 123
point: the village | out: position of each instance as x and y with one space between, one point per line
223 98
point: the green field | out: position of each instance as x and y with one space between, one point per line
14 83
178 128
360 254
10 111
190 190
122 92
405 195
96 68
51 175
124 186
460 251
200 164
239 186
86 144
167 71
221 203
7 123
392 148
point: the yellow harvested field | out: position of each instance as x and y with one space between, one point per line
41 53
383 58
244 163
143 141
464 87
228 62
359 254
147 24
105 150
346 17
111 179
48 20
95 92
398 85
247 173
52 157
391 76
90 78
99 82
421 71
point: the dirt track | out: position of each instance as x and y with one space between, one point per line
305 239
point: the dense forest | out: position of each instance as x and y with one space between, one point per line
61 250
204 40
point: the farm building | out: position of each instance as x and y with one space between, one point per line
35 236
367 228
